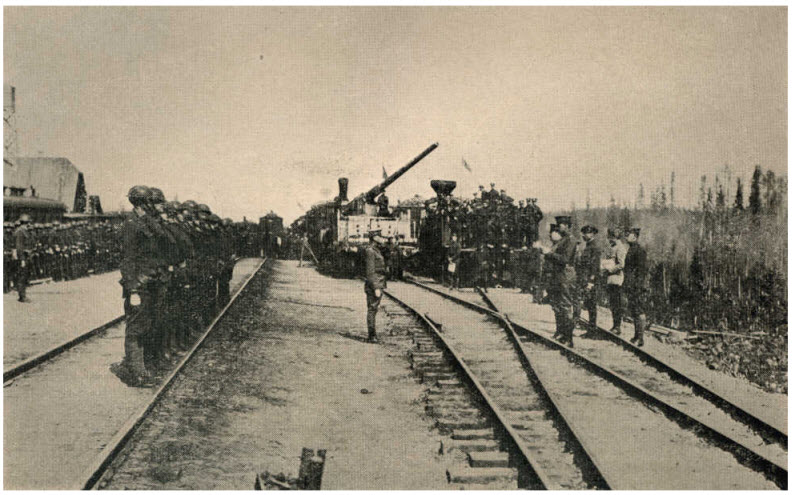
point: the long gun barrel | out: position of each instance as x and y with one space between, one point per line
373 193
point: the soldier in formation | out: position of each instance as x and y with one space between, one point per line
62 251
176 269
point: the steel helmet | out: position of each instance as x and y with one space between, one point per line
214 218
227 222
204 208
189 205
156 195
138 195
173 205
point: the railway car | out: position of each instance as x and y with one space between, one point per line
39 209
337 230
273 237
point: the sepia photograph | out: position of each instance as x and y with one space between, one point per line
418 247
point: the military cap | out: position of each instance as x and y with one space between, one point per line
204 208
566 220
156 195
588 229
554 227
374 232
138 195
24 218
481 186
633 230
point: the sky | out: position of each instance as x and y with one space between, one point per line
252 109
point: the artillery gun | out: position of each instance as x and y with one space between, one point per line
337 230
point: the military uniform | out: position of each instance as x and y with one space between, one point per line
139 269
24 244
588 272
560 291
635 285
616 276
375 283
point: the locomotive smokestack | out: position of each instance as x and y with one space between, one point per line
343 189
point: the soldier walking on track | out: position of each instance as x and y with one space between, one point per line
23 250
636 284
588 271
614 268
561 267
375 282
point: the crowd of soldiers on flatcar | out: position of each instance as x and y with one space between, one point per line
58 251
177 264
500 232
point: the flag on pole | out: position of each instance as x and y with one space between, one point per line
466 165
385 175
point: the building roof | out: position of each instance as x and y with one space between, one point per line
52 177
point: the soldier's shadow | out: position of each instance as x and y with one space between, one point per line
353 336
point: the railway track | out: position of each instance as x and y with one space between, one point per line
733 455
501 420
92 475
46 356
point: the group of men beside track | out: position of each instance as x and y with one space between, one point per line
177 263
59 251
574 273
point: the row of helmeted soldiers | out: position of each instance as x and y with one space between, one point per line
177 263
60 251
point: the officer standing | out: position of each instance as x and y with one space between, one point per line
23 250
588 272
561 267
375 283
614 269
636 284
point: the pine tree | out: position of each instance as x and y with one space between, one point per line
672 190
721 198
640 198
755 191
770 192
738 203
702 202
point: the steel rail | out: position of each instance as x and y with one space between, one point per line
97 469
42 358
532 475
777 473
766 429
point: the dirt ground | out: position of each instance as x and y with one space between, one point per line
289 369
